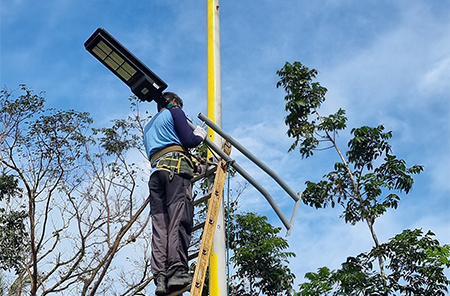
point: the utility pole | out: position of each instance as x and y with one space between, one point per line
217 265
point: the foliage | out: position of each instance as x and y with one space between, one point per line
415 261
80 198
9 187
12 226
12 239
303 97
259 258
359 190
363 191
366 183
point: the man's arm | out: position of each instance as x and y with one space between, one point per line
183 130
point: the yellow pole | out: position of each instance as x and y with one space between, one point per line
213 63
217 265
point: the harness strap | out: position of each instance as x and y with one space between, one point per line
169 149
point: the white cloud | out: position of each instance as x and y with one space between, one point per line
435 79
393 64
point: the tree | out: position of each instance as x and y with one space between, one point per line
12 226
416 262
365 183
259 258
81 197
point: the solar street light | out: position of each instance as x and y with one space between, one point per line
144 83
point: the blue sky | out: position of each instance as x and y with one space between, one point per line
384 62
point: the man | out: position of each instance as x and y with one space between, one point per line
167 137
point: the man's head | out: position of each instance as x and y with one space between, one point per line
171 98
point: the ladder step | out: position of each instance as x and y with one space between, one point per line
193 256
198 226
201 199
209 172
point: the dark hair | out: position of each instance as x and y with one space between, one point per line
169 96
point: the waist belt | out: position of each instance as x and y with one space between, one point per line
169 149
176 163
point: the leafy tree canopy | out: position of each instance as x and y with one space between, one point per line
259 257
415 261
366 183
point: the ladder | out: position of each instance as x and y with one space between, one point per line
196 287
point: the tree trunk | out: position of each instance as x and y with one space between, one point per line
358 195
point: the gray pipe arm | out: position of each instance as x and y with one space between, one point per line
287 223
250 156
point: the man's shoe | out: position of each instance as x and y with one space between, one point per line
179 280
161 287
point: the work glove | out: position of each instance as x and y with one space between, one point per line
208 169
199 131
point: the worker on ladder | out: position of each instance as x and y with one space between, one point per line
167 138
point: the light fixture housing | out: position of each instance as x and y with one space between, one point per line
144 83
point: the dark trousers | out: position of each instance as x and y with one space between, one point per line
172 213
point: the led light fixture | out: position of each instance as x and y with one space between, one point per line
144 83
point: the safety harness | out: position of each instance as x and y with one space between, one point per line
176 160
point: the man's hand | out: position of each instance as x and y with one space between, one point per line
199 131
207 169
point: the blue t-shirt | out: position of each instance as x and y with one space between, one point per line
168 127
